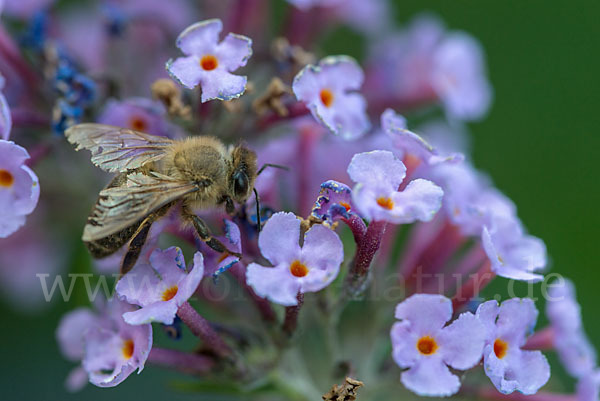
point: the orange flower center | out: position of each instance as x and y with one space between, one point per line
6 179
500 348
138 124
326 97
346 206
427 345
386 203
298 269
169 293
209 62
128 348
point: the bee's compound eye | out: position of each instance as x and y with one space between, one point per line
240 184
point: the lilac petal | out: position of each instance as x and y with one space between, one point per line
169 265
71 330
340 73
140 286
185 70
576 353
322 250
234 51
562 308
516 320
12 155
234 238
588 387
26 189
405 353
525 371
487 313
461 343
430 377
274 283
378 167
421 200
200 38
10 223
351 121
5 118
160 311
222 85
427 313
279 239
188 285
523 264
103 360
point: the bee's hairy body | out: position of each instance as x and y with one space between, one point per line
154 174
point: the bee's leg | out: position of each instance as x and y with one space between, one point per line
138 239
206 236
136 244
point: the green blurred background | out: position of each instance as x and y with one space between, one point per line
538 143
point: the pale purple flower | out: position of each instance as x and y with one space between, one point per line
19 188
114 349
210 63
296 269
334 202
139 114
160 287
588 387
513 254
508 366
459 77
470 201
171 15
5 117
109 349
426 63
574 349
329 91
378 175
426 347
410 143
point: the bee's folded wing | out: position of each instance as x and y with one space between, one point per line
120 207
117 149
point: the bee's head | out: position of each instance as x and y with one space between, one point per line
243 173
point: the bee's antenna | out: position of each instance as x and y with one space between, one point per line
264 166
258 223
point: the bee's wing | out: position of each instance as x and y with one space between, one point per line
119 207
117 149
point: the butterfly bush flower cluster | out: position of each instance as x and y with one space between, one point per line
365 250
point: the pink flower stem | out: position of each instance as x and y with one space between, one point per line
366 249
473 286
291 316
541 340
421 236
203 330
239 273
308 139
181 361
357 226
297 109
28 117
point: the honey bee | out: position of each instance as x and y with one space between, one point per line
154 174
